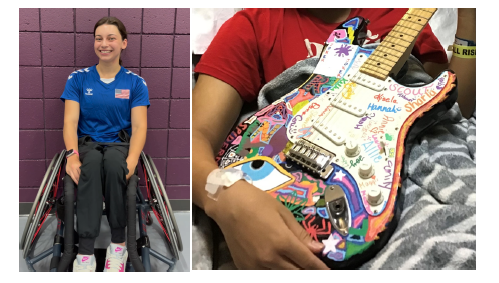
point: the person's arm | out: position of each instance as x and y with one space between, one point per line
465 69
261 233
69 132
212 118
138 139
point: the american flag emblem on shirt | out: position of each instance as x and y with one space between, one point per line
122 93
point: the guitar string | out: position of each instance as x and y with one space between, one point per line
336 110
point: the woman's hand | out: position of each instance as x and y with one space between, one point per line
131 168
73 165
261 233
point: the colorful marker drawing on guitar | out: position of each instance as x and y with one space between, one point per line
332 150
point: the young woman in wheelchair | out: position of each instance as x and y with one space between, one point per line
105 105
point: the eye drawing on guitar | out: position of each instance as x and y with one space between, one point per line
333 150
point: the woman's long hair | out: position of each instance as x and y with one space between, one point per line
113 21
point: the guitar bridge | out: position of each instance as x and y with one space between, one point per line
312 157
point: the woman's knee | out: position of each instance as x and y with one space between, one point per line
114 162
92 159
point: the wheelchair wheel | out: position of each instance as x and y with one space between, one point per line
167 204
44 202
160 205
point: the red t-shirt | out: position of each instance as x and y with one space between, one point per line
256 45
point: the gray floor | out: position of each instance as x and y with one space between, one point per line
156 236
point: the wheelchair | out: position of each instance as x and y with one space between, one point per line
51 197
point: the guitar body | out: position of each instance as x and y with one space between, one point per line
333 150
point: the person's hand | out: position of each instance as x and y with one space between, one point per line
73 165
130 164
261 233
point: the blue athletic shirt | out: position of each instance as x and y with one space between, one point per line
105 109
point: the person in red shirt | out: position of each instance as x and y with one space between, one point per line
272 40
249 50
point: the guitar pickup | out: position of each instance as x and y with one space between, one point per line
349 107
368 81
332 135
312 157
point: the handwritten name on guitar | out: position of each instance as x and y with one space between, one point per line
343 69
328 108
393 109
372 151
381 128
347 94
381 97
362 120
387 184
292 126
413 105
311 106
407 90
403 96
357 161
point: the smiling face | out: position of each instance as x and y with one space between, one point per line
108 43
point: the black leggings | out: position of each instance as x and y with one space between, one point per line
103 173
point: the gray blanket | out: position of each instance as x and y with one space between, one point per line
437 228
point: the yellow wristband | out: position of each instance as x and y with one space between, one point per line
461 51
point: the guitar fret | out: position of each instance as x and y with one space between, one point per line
383 60
376 69
406 31
396 47
410 25
420 13
386 50
389 57
414 21
380 66
391 40
397 41
402 36
414 17
374 73
395 44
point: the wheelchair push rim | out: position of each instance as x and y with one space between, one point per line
40 190
167 202
161 212
41 206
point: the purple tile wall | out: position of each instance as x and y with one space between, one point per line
55 42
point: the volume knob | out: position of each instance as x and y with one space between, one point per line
366 170
352 148
374 196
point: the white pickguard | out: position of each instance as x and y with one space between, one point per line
354 113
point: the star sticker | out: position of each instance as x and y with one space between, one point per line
339 175
330 243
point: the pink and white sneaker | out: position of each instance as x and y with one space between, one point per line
84 263
116 257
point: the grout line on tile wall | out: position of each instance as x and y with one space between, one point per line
141 31
74 38
43 85
171 88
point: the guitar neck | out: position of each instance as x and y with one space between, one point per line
397 45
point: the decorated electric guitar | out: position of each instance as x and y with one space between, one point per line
333 151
